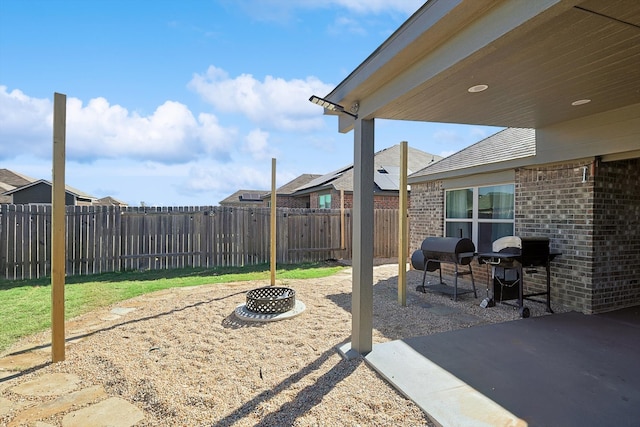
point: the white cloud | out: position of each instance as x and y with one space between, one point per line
272 103
377 6
283 10
100 130
256 144
224 178
343 25
25 124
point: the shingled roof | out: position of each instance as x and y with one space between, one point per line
10 180
507 145
290 187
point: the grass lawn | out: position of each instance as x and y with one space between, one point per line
25 305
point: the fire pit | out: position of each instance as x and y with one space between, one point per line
271 300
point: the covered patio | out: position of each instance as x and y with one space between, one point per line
568 69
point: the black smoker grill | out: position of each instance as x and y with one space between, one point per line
451 250
511 257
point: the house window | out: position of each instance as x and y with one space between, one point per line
324 201
482 214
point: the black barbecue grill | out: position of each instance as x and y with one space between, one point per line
511 257
452 250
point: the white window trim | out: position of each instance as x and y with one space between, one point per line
474 220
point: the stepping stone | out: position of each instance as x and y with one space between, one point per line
467 318
442 310
109 317
63 403
113 412
48 385
121 311
22 361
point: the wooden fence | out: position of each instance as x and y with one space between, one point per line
106 238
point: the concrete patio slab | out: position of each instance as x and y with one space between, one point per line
566 369
446 399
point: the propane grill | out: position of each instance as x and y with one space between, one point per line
451 250
511 257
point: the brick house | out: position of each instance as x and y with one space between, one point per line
589 208
335 189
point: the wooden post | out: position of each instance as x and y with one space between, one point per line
342 219
273 221
402 238
58 255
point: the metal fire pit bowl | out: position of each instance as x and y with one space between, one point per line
271 300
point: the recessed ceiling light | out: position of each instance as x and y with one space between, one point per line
478 88
580 102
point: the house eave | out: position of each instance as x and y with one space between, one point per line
474 170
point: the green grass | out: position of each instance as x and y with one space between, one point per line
25 305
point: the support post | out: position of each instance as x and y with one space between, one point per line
362 285
58 255
402 225
342 246
273 221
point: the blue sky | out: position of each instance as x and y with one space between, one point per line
175 103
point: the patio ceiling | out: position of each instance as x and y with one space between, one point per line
537 57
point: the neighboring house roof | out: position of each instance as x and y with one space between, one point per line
241 197
109 201
10 180
290 187
493 153
14 179
386 171
68 189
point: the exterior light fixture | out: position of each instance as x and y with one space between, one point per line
331 106
477 88
580 102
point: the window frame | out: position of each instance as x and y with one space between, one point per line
321 196
475 220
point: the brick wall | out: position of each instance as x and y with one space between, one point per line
426 212
290 202
426 219
379 201
616 239
592 218
553 201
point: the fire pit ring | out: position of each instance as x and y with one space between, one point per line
271 300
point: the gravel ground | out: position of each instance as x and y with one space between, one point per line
185 359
